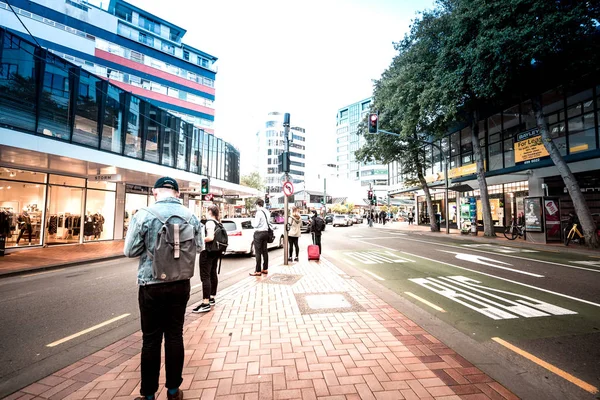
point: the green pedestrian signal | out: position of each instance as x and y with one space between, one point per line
204 186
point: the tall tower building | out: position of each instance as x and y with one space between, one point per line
271 144
348 141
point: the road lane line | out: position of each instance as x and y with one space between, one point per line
374 276
563 374
427 302
196 286
490 275
41 273
88 330
490 252
482 260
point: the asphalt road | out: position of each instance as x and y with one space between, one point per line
544 303
39 309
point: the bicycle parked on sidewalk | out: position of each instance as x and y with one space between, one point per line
514 230
572 232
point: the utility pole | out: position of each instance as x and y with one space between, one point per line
286 170
325 195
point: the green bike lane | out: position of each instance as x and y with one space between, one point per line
533 303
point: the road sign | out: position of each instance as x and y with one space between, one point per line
288 188
208 197
231 196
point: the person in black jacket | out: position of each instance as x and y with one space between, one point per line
317 226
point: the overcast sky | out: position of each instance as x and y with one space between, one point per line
308 58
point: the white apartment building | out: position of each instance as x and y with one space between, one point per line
270 142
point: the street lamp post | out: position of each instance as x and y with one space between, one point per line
445 172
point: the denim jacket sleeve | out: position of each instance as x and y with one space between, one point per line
134 241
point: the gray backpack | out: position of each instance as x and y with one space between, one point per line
174 254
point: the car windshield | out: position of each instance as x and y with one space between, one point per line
339 217
305 217
229 226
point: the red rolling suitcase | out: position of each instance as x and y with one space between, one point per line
313 252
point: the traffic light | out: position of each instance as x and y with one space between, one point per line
266 198
370 193
373 120
204 186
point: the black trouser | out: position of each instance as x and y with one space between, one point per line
162 311
208 273
317 241
293 242
25 229
260 248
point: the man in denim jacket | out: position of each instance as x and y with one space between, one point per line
162 305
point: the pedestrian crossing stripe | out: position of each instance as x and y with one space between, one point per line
377 257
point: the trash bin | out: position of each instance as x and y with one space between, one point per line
438 221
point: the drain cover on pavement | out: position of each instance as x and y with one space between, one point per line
283 279
324 303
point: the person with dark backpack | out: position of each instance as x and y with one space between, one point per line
216 241
166 236
317 226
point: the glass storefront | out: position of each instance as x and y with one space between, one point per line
63 212
136 197
99 220
21 207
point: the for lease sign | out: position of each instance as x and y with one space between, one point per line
529 147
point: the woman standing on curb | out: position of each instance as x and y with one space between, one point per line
294 233
208 264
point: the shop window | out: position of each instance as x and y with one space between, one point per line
133 138
553 101
21 205
85 130
184 144
558 135
494 128
511 122
102 185
20 175
113 120
99 220
527 116
582 133
64 219
54 101
66 180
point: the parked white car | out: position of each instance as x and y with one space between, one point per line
341 220
241 236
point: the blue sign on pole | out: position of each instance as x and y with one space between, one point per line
473 210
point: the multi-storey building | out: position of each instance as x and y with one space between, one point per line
79 154
137 51
348 141
270 142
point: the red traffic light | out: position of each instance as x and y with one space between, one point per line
373 120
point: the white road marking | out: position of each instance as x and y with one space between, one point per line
492 276
487 252
588 263
374 257
356 236
196 286
500 249
489 262
83 332
374 276
468 292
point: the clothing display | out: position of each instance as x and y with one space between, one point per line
93 226
63 226
6 219
24 222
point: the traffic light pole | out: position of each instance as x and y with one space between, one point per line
286 149
445 173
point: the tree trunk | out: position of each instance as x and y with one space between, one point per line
488 224
432 224
581 208
421 177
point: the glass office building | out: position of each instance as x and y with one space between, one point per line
78 155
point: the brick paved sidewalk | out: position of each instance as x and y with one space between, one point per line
307 331
57 256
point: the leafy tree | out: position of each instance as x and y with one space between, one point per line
501 48
397 98
252 180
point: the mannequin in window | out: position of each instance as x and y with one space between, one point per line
88 226
98 225
24 226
